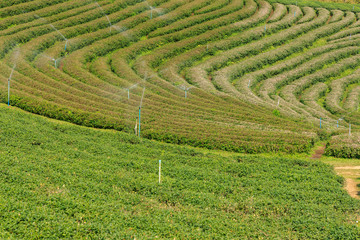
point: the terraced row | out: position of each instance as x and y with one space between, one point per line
248 69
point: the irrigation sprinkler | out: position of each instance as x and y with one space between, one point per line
337 124
265 28
55 60
66 40
294 13
152 8
119 29
8 91
51 25
128 89
185 89
9 79
159 171
140 111
102 10
320 123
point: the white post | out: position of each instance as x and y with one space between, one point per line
349 129
159 171
249 83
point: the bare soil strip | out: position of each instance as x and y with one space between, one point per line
350 173
318 152
351 188
348 168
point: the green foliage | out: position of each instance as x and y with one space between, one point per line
346 5
65 181
210 44
323 135
344 146
277 113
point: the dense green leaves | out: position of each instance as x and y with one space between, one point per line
59 180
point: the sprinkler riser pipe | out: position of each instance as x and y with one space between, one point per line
139 120
8 92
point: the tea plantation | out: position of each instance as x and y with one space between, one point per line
237 75
59 180
225 93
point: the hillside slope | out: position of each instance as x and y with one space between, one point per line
59 180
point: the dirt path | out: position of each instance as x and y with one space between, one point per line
318 152
351 188
350 173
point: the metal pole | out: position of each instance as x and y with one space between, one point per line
128 94
9 92
139 120
159 171
337 124
185 93
320 123
151 13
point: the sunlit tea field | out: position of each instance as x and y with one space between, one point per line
244 76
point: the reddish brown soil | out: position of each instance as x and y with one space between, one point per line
318 152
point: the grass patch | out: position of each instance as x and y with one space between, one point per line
59 180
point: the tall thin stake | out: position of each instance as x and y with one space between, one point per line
349 129
139 120
12 71
159 171
9 92
140 110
